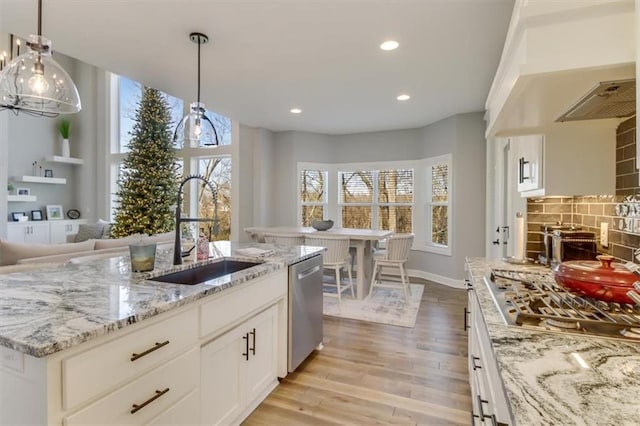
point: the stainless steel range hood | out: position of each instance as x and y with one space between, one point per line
608 99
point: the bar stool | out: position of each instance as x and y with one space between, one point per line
335 257
395 255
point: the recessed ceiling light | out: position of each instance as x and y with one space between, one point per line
403 97
389 45
295 110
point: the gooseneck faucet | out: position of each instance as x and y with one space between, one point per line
177 249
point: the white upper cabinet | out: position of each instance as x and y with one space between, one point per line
529 151
555 52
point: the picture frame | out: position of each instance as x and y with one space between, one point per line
48 173
36 215
54 212
15 216
23 191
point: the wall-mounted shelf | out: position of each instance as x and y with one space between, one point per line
38 179
22 198
66 160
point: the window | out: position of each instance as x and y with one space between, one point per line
377 199
438 205
313 195
126 95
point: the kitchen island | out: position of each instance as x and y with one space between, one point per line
544 383
94 342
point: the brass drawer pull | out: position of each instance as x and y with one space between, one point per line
148 351
136 407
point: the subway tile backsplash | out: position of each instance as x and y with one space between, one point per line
621 211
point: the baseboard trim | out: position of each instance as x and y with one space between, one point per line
449 282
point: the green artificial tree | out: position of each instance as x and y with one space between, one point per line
148 181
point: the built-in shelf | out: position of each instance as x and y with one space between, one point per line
38 179
21 198
66 160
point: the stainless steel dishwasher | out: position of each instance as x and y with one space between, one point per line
305 309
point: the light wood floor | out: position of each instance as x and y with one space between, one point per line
371 374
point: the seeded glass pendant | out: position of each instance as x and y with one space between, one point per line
196 129
36 84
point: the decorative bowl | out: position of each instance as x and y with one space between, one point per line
322 225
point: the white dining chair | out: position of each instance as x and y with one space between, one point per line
336 257
394 256
288 240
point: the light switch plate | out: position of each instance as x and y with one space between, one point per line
604 234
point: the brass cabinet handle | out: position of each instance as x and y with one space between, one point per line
136 407
157 346
253 349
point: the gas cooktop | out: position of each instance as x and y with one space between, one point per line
532 299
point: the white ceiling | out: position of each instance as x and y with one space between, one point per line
267 56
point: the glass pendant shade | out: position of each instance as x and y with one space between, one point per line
35 83
195 130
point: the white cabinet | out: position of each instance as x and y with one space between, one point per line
45 231
59 230
239 368
488 396
529 151
29 232
163 370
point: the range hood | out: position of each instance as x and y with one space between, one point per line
608 99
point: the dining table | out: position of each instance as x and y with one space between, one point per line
361 239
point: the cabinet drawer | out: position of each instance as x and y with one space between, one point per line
148 396
184 412
99 369
215 315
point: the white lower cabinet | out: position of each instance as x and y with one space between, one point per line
59 230
161 371
239 368
29 232
488 397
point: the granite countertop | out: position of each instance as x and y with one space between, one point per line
544 382
52 309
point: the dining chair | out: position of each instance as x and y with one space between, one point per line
336 257
288 240
394 256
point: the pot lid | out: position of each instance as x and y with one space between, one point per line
603 270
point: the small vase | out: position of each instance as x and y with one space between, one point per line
65 148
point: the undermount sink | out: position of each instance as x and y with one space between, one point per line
206 272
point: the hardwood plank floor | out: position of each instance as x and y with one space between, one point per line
376 374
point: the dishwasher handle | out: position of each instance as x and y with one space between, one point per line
310 271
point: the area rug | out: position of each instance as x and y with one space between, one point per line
385 306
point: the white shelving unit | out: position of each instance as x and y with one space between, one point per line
21 198
65 160
38 179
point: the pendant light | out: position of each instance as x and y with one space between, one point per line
196 129
36 84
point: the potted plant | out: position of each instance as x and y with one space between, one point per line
64 127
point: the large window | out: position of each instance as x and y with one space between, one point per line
313 195
438 205
126 95
377 199
400 196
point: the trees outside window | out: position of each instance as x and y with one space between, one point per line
313 195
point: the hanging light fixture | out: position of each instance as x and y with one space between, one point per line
196 127
36 84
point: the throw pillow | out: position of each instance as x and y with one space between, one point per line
89 232
106 230
10 252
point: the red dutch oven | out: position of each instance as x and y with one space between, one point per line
601 279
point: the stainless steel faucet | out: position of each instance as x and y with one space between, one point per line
177 248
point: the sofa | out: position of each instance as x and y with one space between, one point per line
19 253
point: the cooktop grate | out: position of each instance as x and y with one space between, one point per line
533 299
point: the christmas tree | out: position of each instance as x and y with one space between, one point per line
148 182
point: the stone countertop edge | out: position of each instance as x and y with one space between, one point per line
48 310
544 383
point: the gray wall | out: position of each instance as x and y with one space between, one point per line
461 135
